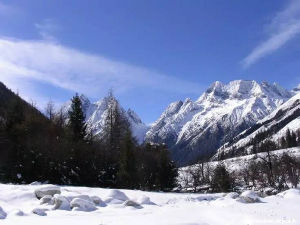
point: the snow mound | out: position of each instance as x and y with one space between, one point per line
145 200
61 202
132 204
98 201
47 190
290 194
232 195
17 212
116 197
39 211
2 213
79 204
70 197
249 197
47 199
35 183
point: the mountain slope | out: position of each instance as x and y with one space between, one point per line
274 126
198 129
97 112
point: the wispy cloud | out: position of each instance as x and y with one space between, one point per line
283 27
71 69
47 29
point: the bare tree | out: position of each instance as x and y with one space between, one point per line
50 110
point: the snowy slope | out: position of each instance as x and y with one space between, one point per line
286 116
18 201
195 129
96 113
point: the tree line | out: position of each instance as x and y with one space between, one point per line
267 170
58 148
263 143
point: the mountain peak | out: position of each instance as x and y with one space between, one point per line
242 89
96 113
132 115
192 129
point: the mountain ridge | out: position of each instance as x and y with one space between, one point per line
194 129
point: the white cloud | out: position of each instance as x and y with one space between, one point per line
74 70
283 27
47 29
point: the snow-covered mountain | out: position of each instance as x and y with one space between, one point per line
194 129
274 126
96 113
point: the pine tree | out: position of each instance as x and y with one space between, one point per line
221 180
77 119
15 132
127 174
167 171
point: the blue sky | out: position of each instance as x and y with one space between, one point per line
150 52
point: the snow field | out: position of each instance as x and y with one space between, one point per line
19 205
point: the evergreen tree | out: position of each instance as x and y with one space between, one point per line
167 171
221 180
127 174
16 134
77 119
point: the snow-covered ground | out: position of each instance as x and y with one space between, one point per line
233 165
238 163
155 208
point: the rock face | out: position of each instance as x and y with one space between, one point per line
96 113
197 129
274 126
48 190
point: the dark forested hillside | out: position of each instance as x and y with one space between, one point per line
56 148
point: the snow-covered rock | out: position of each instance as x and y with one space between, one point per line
174 208
198 128
132 204
98 201
233 195
61 202
71 196
2 213
47 190
270 191
79 204
39 211
249 197
47 199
